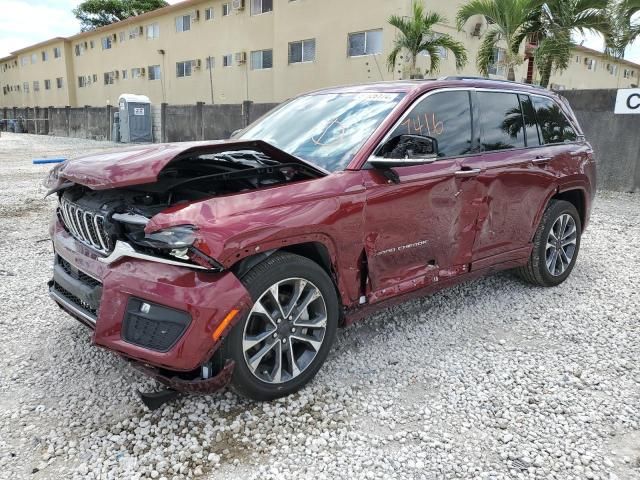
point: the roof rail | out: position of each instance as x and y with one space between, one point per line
470 77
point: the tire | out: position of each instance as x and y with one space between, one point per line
288 272
537 270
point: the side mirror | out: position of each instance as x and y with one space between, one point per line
405 150
235 133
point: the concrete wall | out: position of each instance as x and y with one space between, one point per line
615 138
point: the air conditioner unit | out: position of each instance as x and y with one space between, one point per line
196 63
117 74
241 58
195 16
141 30
143 72
114 37
85 45
237 4
586 61
476 30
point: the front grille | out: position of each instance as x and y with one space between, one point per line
77 274
75 300
86 226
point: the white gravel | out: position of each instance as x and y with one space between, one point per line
492 379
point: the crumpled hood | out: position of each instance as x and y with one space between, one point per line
143 164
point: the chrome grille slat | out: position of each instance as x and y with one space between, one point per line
103 243
85 226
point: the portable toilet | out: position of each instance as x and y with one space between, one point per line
135 118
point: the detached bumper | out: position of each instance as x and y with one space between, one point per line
101 296
201 386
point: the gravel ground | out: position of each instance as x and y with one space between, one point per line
491 379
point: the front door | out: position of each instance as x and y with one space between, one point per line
420 228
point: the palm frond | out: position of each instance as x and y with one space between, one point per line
485 52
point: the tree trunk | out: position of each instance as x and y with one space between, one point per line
545 74
512 74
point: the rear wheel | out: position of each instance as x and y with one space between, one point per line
285 338
555 246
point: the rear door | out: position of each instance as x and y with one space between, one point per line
421 228
513 182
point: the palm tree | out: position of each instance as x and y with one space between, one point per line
506 20
624 30
629 9
553 25
417 36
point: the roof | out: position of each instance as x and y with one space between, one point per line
408 86
38 45
582 48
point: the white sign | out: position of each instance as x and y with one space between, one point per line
138 111
628 101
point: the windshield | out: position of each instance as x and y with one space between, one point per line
325 129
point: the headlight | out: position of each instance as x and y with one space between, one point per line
53 177
178 237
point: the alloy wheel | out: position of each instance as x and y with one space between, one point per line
285 330
561 244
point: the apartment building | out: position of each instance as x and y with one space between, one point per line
227 51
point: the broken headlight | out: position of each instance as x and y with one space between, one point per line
174 238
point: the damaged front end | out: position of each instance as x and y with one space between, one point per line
114 221
153 293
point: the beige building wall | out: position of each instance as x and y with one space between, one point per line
329 22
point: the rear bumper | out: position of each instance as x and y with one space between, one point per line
206 298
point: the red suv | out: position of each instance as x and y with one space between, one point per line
235 261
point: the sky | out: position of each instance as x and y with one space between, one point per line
53 18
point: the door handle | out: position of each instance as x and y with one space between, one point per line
472 172
576 154
539 160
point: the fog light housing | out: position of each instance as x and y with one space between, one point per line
153 326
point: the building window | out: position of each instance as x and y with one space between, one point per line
106 42
121 35
183 69
153 30
91 44
109 78
261 6
577 58
57 53
210 63
24 61
612 69
498 66
261 59
47 84
82 82
136 72
95 78
59 82
25 87
34 57
591 64
227 60
183 23
36 86
133 32
365 43
226 9
125 74
154 72
302 51
626 73
208 13
45 55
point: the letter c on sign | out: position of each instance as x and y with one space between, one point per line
631 97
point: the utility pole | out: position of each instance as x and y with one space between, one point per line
210 65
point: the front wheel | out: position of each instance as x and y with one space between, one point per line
555 246
286 337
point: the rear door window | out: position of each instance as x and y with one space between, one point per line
554 125
445 116
530 124
501 121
